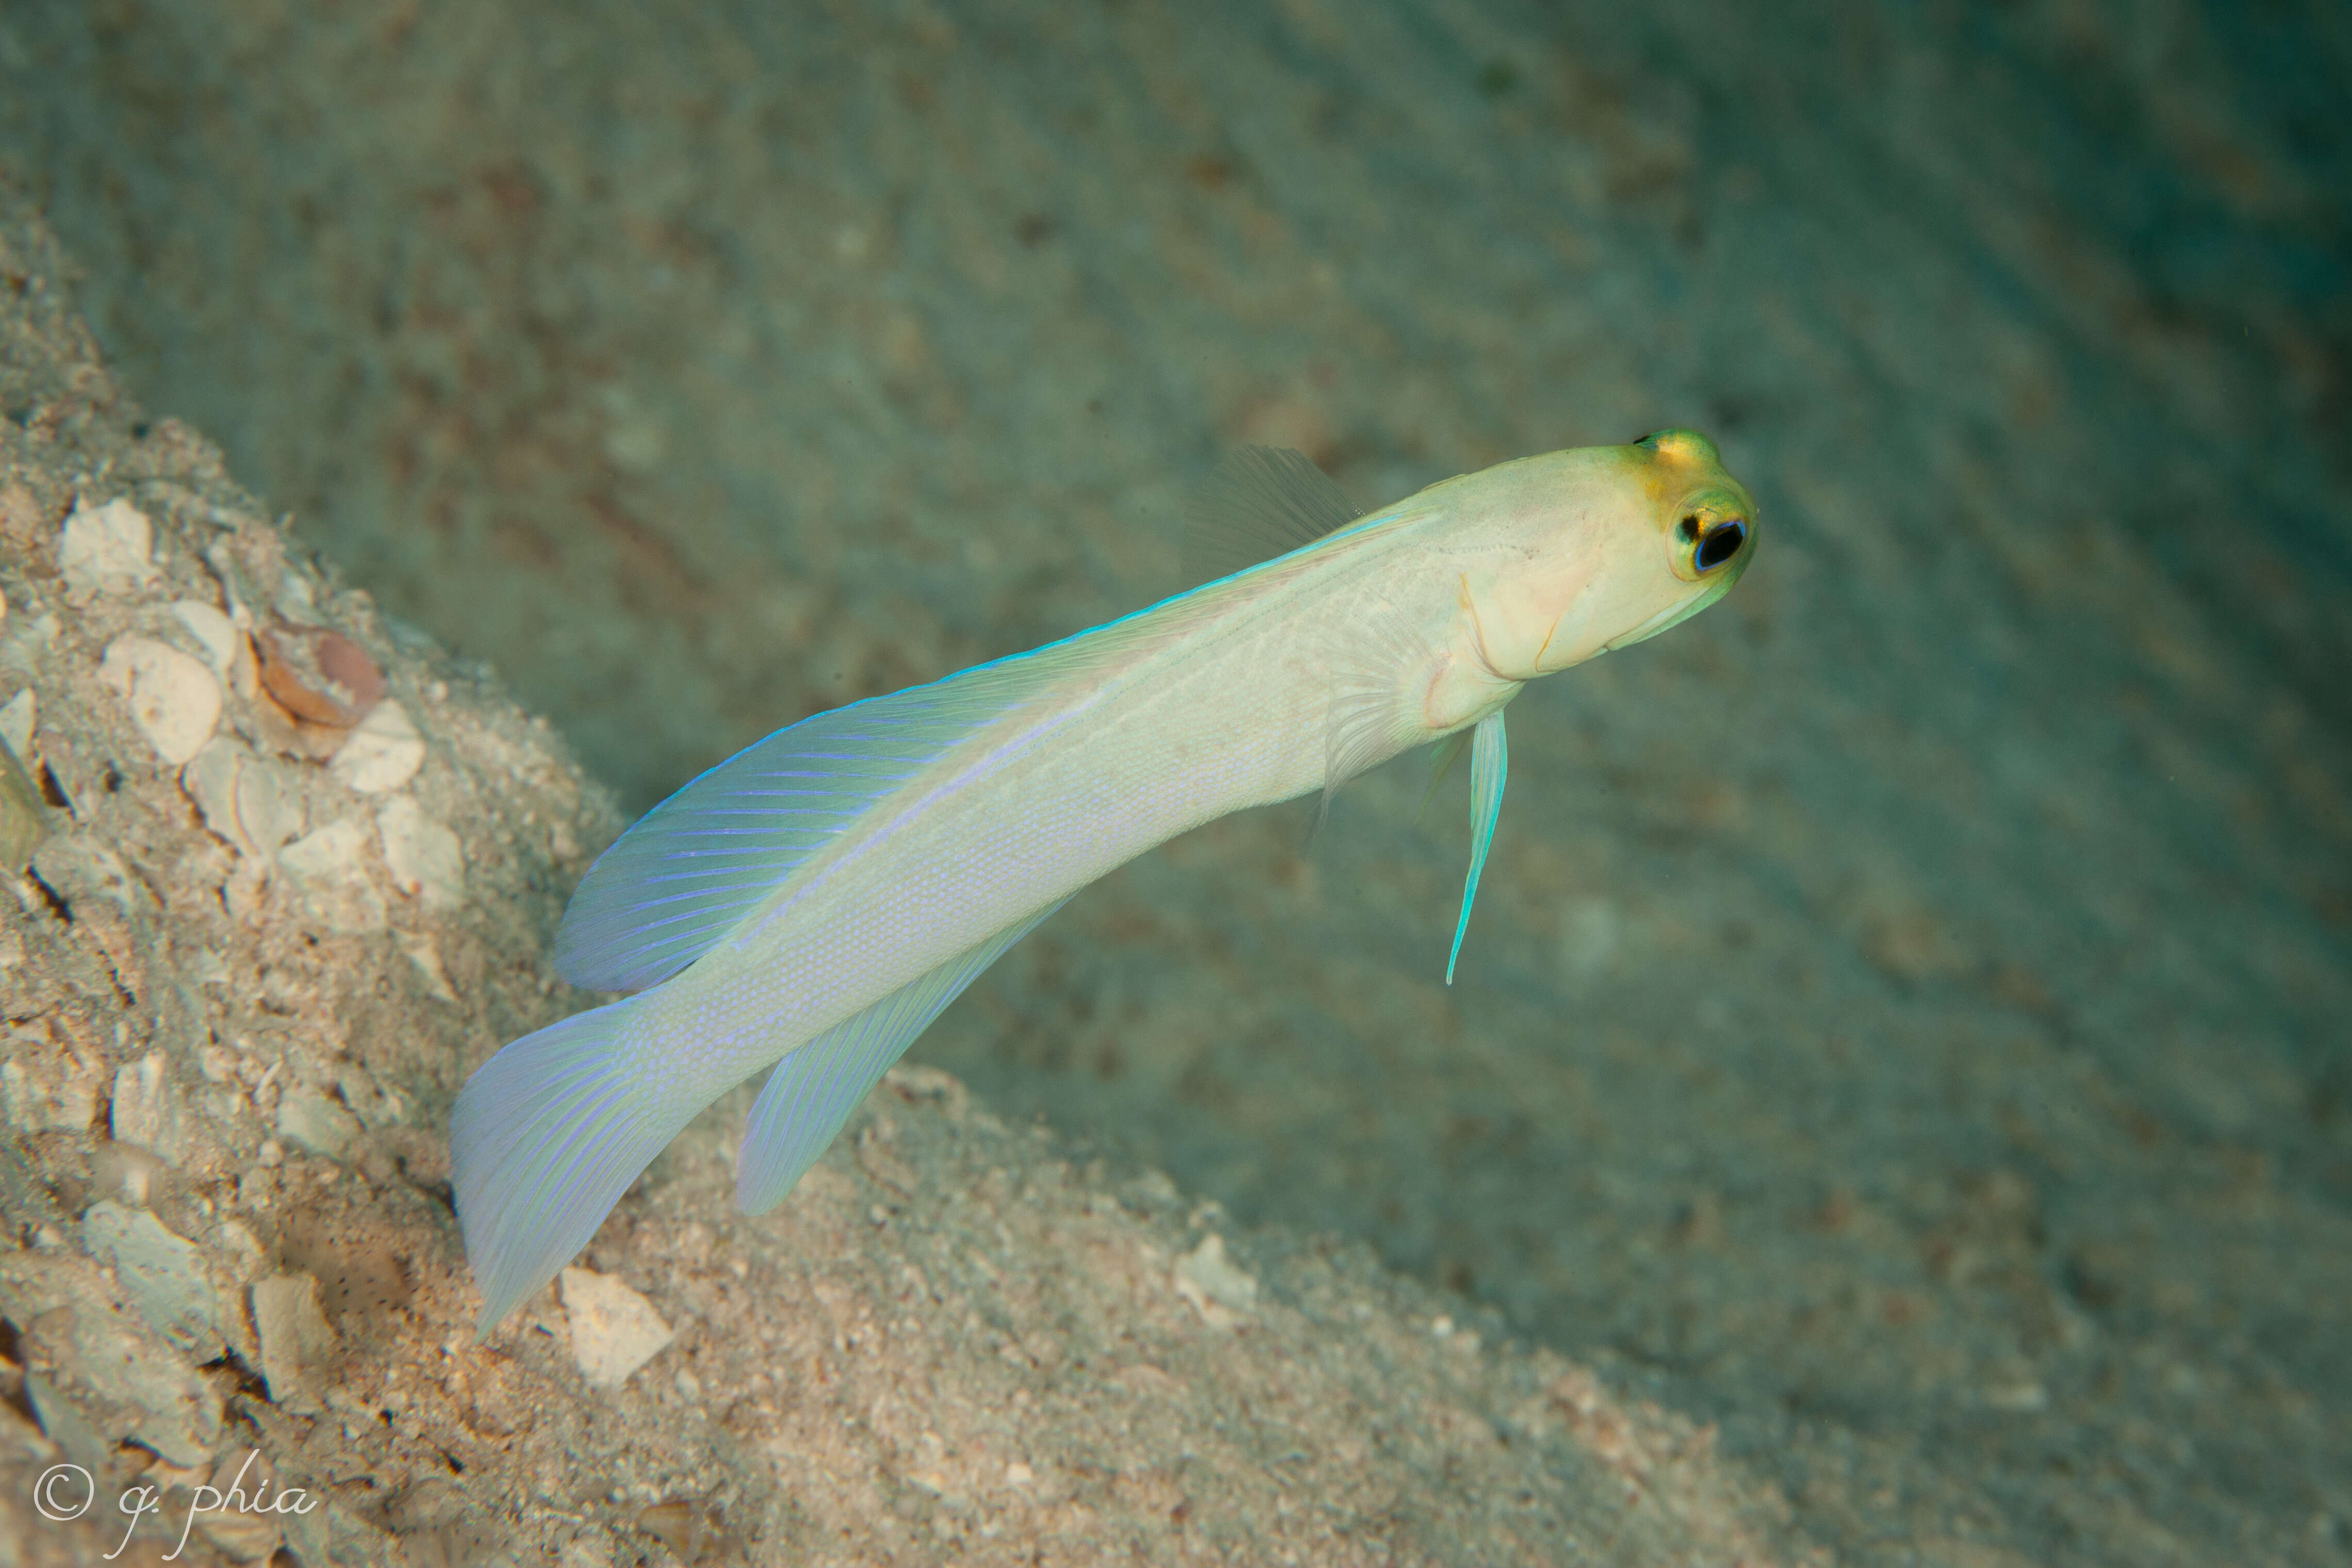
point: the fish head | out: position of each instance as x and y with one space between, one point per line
1609 546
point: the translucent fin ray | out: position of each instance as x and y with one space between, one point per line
1440 763
1490 764
1370 720
812 1092
543 1141
696 865
1260 503
702 860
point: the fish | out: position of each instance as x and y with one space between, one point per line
812 904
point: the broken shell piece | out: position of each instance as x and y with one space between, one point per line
146 1109
1220 1291
246 800
426 955
24 815
127 1173
383 753
329 868
208 626
99 1360
615 1331
318 676
162 1273
16 723
46 1086
297 1344
309 1118
173 698
425 858
107 547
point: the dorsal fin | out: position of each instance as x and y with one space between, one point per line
1260 503
700 861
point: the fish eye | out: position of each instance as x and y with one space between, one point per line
1718 545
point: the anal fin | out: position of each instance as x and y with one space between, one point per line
811 1092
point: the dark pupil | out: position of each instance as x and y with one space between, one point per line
1720 545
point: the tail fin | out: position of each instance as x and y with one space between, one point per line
544 1139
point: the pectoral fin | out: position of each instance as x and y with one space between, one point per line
1490 763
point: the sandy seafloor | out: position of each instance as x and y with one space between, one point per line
1906 1017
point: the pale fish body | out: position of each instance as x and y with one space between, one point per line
812 903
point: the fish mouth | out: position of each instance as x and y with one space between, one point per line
1673 615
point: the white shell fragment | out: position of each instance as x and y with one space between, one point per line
108 549
104 1360
309 1118
173 698
615 1331
45 1090
164 1274
214 631
297 1342
1220 1291
246 799
16 722
425 953
146 1109
384 751
328 867
425 858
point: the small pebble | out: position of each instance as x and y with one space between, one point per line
316 1123
615 1331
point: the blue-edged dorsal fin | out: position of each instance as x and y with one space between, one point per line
813 1091
1490 764
698 863
1260 503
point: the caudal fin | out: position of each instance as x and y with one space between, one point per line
543 1140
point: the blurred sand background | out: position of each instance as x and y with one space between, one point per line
1905 1020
